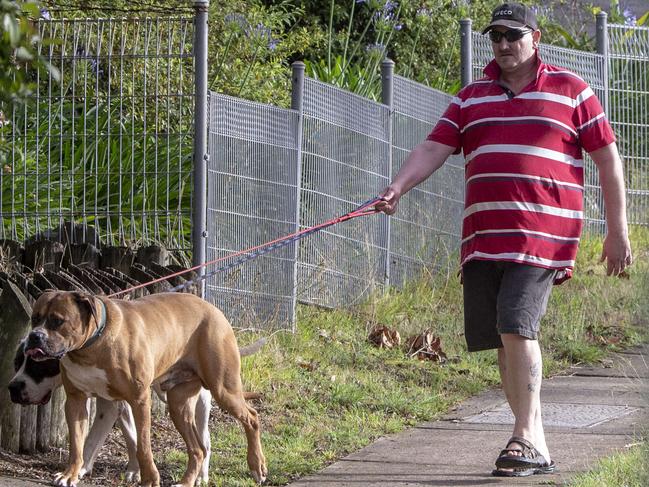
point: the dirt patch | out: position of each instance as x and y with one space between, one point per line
111 462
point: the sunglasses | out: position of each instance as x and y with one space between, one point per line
512 35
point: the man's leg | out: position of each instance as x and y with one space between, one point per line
521 367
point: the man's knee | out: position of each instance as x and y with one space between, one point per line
514 338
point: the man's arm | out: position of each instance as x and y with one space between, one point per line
617 248
423 160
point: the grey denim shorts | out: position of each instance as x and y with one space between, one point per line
503 297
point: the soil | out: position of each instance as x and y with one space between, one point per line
111 462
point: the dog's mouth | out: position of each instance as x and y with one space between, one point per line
23 400
38 354
45 399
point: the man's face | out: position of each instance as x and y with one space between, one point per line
511 55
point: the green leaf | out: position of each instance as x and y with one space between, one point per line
22 54
10 25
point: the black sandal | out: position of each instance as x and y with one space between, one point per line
529 458
525 472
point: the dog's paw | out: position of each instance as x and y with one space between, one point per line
132 475
260 477
65 479
202 479
82 473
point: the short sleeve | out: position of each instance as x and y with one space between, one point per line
590 121
447 130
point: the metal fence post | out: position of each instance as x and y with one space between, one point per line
387 89
297 99
199 206
466 52
602 48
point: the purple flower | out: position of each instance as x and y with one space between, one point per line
45 14
260 31
389 6
375 48
237 20
629 17
398 26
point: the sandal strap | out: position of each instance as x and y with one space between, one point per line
527 446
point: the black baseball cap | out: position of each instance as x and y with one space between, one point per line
514 15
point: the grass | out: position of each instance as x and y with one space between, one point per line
626 469
327 391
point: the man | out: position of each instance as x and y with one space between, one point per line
522 129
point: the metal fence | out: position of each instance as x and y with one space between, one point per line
427 227
108 147
345 161
628 55
253 181
273 171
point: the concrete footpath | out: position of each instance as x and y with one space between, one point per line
589 413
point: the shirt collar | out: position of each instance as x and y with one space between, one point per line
492 70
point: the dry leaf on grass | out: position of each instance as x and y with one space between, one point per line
383 337
426 346
607 336
309 365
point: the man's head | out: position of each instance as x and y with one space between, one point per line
514 34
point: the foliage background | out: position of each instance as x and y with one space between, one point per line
252 43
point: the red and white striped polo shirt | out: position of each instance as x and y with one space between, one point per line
524 170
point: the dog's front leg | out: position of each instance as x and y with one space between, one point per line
126 423
104 420
76 415
141 407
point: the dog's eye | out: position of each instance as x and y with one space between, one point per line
54 322
35 320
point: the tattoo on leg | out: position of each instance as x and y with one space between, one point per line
535 370
535 373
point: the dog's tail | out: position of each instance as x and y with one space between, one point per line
253 348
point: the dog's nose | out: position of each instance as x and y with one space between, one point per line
15 390
35 338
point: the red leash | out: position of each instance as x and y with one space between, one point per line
366 208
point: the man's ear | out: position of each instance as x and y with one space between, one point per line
87 303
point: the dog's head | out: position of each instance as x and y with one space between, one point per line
33 381
62 321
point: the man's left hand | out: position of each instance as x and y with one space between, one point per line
616 253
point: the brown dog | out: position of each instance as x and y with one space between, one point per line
116 349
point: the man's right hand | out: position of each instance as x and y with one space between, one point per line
389 201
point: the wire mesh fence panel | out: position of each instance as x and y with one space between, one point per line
629 102
252 199
345 154
427 225
109 147
590 67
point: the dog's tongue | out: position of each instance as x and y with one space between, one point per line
32 352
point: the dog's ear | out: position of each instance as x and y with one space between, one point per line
87 302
